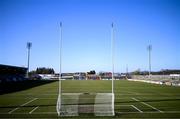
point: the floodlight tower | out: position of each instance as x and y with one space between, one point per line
29 45
112 53
149 51
127 69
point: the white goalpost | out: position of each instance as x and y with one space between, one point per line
112 53
73 103
58 105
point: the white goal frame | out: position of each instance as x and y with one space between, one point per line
99 110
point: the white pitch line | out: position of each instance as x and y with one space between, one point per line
130 106
22 105
13 110
149 112
152 107
137 108
123 105
147 105
135 99
29 102
33 110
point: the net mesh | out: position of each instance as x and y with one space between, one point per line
97 104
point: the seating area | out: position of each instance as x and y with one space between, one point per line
12 73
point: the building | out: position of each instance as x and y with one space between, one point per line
67 76
105 75
93 77
79 76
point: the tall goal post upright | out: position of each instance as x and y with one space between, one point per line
112 53
58 106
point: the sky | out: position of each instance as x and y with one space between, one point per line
86 34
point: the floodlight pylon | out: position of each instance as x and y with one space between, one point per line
29 45
149 53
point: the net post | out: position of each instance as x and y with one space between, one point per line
112 53
58 106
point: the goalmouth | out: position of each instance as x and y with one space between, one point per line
74 103
96 104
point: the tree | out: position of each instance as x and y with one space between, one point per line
43 70
92 72
136 72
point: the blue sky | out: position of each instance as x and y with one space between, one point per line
87 33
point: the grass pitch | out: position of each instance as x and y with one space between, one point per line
132 99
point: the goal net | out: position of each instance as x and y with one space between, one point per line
85 97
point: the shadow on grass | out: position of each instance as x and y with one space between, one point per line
10 87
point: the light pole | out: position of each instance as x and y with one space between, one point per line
29 45
149 50
163 73
127 75
126 69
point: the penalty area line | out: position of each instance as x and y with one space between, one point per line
137 108
29 102
33 110
147 105
134 107
22 105
13 110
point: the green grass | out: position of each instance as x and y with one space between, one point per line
132 99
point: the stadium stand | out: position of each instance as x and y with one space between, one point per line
12 73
